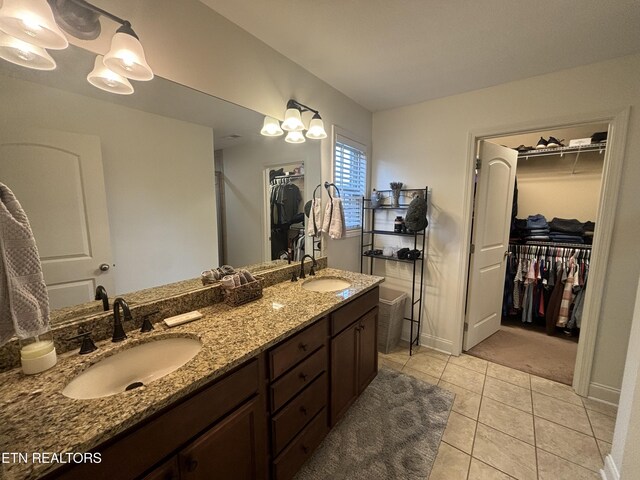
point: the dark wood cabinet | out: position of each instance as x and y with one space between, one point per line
354 356
167 471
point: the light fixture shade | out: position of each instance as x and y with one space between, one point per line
316 128
271 127
292 121
32 21
104 79
24 54
126 58
294 137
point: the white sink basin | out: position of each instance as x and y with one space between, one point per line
132 368
326 284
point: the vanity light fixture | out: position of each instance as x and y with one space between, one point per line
293 124
31 26
105 79
25 54
32 21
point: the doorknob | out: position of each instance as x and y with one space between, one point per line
104 267
507 254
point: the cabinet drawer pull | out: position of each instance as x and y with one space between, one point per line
303 376
303 347
304 448
303 410
192 465
361 327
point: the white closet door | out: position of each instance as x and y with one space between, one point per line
491 225
58 179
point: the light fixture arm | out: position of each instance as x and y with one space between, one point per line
93 8
303 108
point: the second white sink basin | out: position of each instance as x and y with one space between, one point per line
132 368
326 284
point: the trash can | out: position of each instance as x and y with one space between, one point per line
390 316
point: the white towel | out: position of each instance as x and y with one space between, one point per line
315 218
334 223
24 302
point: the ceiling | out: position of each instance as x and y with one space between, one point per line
388 53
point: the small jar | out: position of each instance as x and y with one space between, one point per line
397 224
38 353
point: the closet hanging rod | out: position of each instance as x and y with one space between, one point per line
297 175
552 244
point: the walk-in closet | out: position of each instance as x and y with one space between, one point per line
552 218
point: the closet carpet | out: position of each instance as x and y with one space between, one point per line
530 351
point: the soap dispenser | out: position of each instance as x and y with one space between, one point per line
37 353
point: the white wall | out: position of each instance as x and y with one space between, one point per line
428 143
191 44
245 191
159 179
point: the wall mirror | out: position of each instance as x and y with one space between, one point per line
137 191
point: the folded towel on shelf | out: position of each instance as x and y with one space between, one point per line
314 226
24 301
334 223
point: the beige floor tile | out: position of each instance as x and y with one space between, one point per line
564 413
552 467
397 355
604 447
463 377
460 432
482 471
555 389
507 393
507 419
470 362
603 425
420 375
509 375
426 364
450 464
601 407
466 402
385 362
505 453
434 353
568 444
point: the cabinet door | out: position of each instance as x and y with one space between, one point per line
167 471
367 349
344 371
235 448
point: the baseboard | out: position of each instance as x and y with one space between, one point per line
609 471
441 344
604 393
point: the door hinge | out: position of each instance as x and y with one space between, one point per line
466 327
478 163
473 248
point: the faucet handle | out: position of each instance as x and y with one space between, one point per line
87 345
147 326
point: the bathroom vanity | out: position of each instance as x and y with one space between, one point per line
271 379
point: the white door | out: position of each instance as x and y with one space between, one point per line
57 177
490 240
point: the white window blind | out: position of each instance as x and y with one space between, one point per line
350 176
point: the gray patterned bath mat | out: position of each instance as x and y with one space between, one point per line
391 432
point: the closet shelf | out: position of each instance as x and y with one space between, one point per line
582 246
393 259
544 152
387 232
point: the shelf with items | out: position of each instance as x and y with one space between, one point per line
385 203
599 147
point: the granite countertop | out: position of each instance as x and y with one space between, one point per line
36 417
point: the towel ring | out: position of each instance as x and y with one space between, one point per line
327 185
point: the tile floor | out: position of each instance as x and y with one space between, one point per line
508 424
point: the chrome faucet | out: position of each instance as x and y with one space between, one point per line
118 331
101 294
313 265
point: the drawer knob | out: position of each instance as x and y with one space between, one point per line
304 448
192 465
303 347
303 410
303 376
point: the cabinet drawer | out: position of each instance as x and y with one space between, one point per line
302 447
287 423
290 352
345 316
298 378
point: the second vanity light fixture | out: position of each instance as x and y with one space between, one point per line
293 124
29 27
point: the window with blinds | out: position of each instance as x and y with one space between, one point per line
350 176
